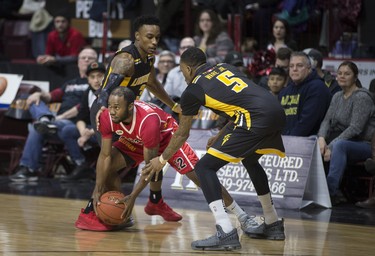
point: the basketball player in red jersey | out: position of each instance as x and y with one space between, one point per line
133 67
145 130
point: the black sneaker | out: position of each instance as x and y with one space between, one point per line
24 174
274 231
81 172
45 127
221 241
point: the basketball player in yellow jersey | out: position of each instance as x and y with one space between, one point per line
256 121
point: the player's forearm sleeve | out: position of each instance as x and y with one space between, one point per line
111 83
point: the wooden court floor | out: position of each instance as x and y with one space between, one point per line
31 225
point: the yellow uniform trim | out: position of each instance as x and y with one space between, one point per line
223 156
268 151
230 110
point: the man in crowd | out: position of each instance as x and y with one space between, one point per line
305 99
63 44
48 124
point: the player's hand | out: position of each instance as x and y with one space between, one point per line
152 168
129 201
98 117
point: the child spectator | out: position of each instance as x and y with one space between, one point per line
277 80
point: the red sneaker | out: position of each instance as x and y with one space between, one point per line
89 221
162 209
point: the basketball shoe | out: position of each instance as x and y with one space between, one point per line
89 221
221 241
247 221
274 231
162 209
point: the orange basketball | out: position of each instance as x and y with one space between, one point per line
108 211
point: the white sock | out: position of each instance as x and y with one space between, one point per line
44 119
270 214
221 217
236 209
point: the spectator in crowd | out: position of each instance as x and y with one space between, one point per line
167 61
317 63
49 125
175 83
277 80
282 61
281 36
305 99
63 43
235 58
347 129
82 131
211 38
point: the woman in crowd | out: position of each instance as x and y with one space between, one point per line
281 36
211 38
346 131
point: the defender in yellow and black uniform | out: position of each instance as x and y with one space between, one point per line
256 121
133 67
257 117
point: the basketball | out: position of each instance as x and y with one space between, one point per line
108 211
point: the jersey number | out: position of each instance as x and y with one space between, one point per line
228 79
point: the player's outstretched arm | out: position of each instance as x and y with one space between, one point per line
129 200
155 87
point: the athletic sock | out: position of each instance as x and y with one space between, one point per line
270 214
89 207
221 217
155 196
236 209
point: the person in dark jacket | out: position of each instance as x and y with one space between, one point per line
305 99
82 132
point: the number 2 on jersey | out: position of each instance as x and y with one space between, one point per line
227 78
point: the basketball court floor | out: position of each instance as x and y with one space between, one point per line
38 219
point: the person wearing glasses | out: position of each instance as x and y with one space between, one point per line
305 99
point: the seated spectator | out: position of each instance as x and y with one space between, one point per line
49 125
167 61
281 36
277 80
211 38
235 59
282 61
329 79
81 134
347 129
175 82
305 99
63 43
